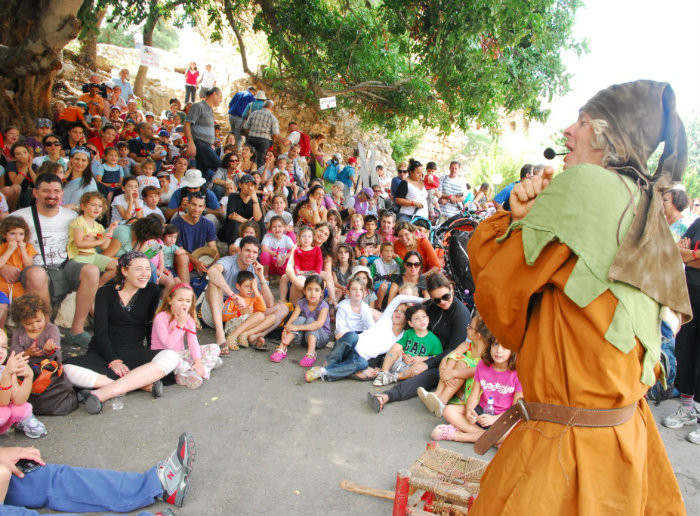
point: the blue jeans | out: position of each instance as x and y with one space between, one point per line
207 159
65 488
344 360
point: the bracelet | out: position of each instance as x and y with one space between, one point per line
186 330
5 388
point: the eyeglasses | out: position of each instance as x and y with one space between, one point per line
444 297
52 144
412 264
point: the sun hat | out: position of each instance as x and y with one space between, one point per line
193 179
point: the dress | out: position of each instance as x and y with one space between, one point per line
565 357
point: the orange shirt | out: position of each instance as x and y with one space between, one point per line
96 105
72 114
430 259
16 261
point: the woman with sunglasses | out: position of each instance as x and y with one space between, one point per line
228 171
409 239
449 320
52 151
411 195
413 265
79 178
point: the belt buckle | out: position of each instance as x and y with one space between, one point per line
523 409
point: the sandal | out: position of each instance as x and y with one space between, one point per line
260 344
243 340
223 350
362 376
308 361
375 401
232 343
444 433
279 355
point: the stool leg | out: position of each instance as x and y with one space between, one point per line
401 494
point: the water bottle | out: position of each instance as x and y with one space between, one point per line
489 410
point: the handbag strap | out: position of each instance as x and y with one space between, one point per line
37 229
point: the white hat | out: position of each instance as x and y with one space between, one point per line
360 268
110 85
193 179
338 156
260 95
175 136
150 113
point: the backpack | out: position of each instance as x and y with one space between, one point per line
345 175
331 172
668 367
304 144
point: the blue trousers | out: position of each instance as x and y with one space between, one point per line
344 360
65 488
207 159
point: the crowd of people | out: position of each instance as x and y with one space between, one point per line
163 224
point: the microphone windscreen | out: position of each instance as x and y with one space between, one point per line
549 153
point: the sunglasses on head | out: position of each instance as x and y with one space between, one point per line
444 297
199 195
412 264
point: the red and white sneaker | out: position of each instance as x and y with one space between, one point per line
174 472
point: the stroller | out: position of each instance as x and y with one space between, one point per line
450 240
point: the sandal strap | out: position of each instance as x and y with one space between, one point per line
312 355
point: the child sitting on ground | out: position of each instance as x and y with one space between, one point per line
383 269
127 206
308 258
353 315
147 177
496 389
279 209
356 230
14 409
174 320
248 228
276 247
111 172
343 262
151 199
15 251
242 311
85 235
124 161
363 272
417 344
457 369
171 249
368 242
37 337
309 324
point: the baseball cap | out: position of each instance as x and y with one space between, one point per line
352 160
43 122
164 134
246 178
150 113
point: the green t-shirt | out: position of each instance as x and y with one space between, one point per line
416 346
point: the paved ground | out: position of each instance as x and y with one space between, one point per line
267 443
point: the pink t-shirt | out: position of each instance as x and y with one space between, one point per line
167 335
502 385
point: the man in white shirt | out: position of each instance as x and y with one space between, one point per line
80 277
207 81
452 193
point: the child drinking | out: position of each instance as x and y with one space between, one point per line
174 320
276 247
14 409
457 369
17 252
309 324
245 310
356 230
147 177
383 269
127 206
85 235
417 344
342 268
308 258
496 386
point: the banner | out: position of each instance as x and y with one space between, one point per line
149 57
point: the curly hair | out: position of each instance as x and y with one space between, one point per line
27 306
148 228
87 197
14 222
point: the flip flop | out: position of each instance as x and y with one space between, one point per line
374 402
361 377
224 351
260 344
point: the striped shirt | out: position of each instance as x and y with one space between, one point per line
451 186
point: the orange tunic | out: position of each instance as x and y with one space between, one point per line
16 261
546 468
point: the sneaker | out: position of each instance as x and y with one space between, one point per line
431 402
174 472
32 427
694 436
313 374
81 340
379 379
385 379
681 418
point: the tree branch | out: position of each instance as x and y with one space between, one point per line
228 10
365 86
55 28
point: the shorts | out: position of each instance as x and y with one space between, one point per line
100 260
70 273
398 366
232 324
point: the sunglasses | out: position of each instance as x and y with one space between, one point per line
412 264
402 171
696 205
444 297
52 144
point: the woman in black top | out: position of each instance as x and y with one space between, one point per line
448 320
117 361
242 206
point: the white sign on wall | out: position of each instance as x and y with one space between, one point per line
149 57
327 102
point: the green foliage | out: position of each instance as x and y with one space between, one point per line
404 141
495 161
116 36
443 63
691 178
164 36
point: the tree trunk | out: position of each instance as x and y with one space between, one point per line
32 34
88 45
148 28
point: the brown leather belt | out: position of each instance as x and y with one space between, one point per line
569 416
